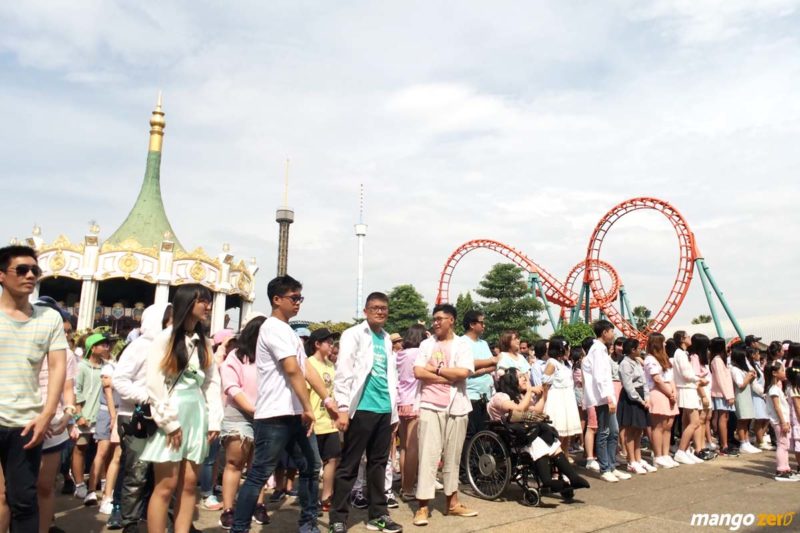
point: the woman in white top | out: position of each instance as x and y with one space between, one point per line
559 388
186 402
743 377
509 354
688 384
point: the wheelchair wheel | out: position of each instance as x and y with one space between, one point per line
488 465
531 497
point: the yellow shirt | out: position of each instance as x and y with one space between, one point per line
324 423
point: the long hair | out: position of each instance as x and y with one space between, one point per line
739 357
509 384
699 347
769 374
176 358
246 352
414 336
793 377
655 347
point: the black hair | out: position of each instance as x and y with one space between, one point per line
586 344
699 347
177 357
773 350
281 286
248 338
525 341
471 317
556 348
678 336
750 353
620 341
717 347
447 309
540 349
793 352
576 354
600 327
166 317
670 346
7 253
793 377
630 347
769 378
509 384
379 296
739 357
414 336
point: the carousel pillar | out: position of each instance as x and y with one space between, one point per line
164 279
88 300
218 312
247 308
224 287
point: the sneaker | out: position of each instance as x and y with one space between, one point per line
384 523
260 514
647 466
663 462
358 500
226 519
713 446
277 496
115 520
421 516
391 501
610 477
786 476
729 452
683 458
212 503
90 499
462 510
337 527
106 506
693 456
767 447
746 447
636 468
325 505
593 465
292 493
80 491
620 474
706 455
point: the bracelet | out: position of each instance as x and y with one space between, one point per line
69 409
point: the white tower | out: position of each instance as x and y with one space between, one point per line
361 233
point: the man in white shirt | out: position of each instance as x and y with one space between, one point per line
365 385
598 392
284 418
442 366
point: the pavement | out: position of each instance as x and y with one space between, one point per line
662 502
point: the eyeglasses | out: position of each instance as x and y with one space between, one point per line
480 322
378 309
296 298
440 318
22 270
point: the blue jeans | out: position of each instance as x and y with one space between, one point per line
606 438
272 436
207 480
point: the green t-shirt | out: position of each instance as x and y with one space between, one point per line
375 397
23 346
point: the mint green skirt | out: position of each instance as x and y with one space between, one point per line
190 403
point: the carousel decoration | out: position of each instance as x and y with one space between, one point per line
140 262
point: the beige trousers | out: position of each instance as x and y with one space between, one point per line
440 436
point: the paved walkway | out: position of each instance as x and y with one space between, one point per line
661 502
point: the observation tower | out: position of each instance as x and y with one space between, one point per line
284 216
361 235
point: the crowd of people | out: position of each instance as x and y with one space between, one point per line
335 421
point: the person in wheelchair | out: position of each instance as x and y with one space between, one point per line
521 405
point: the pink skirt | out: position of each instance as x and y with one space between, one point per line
659 404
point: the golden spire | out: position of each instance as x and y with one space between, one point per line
157 125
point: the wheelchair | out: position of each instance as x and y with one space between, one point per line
499 455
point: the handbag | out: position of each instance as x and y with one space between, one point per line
142 425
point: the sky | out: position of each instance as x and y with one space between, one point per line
523 122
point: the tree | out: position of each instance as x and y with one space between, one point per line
701 319
406 308
641 315
334 327
575 333
464 303
507 302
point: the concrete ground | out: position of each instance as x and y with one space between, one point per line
660 502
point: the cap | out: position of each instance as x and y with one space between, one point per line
750 339
47 301
320 335
221 335
395 337
93 339
303 332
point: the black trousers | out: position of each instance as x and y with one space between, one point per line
370 432
135 479
477 420
21 470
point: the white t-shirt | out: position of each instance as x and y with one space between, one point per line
653 368
777 391
277 341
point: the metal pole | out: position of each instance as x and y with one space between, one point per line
628 307
722 299
587 312
536 283
707 289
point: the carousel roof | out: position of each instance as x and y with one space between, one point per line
147 223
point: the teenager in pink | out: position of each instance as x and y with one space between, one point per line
409 415
722 396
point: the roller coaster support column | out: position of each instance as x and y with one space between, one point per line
535 284
706 278
625 306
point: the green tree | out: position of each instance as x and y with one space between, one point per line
701 319
507 302
406 308
641 315
334 327
464 303
575 333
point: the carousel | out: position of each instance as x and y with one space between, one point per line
110 282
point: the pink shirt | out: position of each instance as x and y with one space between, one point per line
406 382
437 394
721 380
238 377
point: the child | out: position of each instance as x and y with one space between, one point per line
722 395
793 381
633 404
743 378
778 407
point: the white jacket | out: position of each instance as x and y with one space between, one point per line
131 371
597 385
355 364
685 377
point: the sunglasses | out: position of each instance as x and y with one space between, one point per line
22 270
295 298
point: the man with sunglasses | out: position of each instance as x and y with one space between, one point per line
28 334
365 385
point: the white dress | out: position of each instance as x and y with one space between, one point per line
560 405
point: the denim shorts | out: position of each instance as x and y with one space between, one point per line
241 429
720 404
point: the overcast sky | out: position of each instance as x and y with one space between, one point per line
523 122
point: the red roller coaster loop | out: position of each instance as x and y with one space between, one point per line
562 294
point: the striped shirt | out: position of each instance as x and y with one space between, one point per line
23 346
